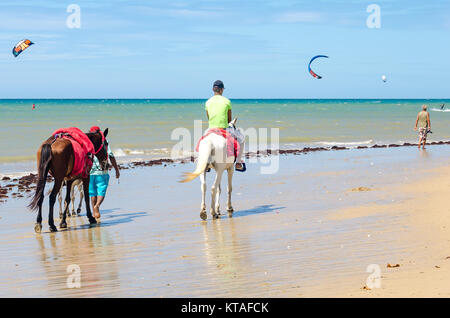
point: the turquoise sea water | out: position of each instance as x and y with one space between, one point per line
142 128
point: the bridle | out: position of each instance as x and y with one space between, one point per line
103 141
103 146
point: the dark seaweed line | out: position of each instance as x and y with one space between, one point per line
18 187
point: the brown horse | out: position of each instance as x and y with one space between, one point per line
57 157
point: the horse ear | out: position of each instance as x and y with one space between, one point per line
105 133
233 122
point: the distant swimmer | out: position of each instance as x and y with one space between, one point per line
442 106
34 106
424 123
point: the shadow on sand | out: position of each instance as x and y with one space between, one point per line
258 210
109 221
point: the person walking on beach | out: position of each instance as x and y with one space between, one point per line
218 112
424 125
99 178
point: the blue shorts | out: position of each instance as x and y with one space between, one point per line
98 185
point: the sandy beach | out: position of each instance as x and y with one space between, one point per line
309 230
326 102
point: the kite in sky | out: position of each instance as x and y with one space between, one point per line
21 46
309 66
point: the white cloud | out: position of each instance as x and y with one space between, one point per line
299 16
185 13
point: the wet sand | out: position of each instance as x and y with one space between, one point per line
309 230
17 186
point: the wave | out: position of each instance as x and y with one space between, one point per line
344 143
440 110
119 152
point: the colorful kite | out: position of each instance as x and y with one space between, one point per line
21 46
309 66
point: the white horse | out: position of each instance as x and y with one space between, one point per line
213 153
76 184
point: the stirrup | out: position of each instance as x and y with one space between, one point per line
244 168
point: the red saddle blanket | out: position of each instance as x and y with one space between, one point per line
233 147
82 147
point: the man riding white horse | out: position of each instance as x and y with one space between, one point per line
218 112
219 148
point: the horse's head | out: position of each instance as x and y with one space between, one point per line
98 139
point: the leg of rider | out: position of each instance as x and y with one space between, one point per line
239 157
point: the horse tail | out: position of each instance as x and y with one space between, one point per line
43 168
204 150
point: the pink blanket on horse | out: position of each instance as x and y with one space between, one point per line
82 146
233 147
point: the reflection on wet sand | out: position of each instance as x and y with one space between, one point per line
92 249
424 154
293 236
224 254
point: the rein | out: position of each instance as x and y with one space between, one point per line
103 141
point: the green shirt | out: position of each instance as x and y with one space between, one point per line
96 169
217 108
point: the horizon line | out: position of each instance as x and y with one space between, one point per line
203 98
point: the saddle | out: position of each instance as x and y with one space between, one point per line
83 149
233 147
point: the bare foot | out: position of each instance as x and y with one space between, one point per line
96 212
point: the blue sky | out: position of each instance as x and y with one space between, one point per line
260 49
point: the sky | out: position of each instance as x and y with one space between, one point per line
260 49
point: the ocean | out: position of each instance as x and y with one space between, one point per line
140 129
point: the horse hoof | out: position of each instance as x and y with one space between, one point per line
230 210
215 216
38 228
78 211
203 215
53 228
93 221
63 225
74 213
